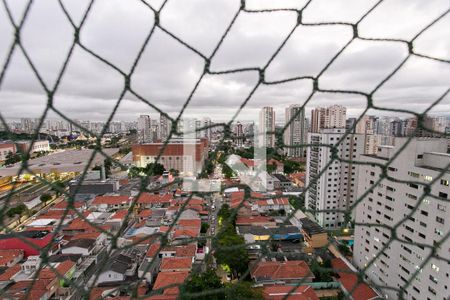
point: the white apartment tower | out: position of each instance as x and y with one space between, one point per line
165 125
296 131
336 117
329 117
267 124
144 129
423 220
336 188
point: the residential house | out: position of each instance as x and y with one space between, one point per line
289 292
268 205
9 258
284 272
176 264
314 235
84 247
111 203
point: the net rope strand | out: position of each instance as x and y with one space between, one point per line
16 47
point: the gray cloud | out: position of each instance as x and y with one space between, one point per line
168 71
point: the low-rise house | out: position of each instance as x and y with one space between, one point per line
275 204
144 215
283 182
9 258
121 266
111 203
169 282
298 179
118 218
314 235
147 200
289 292
350 282
84 247
278 165
276 272
176 264
24 240
255 221
259 233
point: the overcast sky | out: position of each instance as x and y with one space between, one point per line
168 71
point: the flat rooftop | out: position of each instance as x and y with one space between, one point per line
64 161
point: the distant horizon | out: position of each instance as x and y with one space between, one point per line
402 116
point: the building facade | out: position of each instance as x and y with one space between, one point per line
267 124
334 116
181 155
296 131
336 188
144 129
423 220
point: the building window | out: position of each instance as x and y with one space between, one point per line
441 207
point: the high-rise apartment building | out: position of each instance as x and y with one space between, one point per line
143 129
318 119
165 125
423 219
238 131
336 188
267 124
296 132
334 116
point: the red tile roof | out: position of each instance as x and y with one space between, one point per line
279 292
257 195
361 291
61 269
273 270
87 235
236 199
10 272
63 205
145 213
275 201
249 220
152 250
176 263
6 256
182 251
248 162
147 198
191 223
189 233
165 279
111 200
120 214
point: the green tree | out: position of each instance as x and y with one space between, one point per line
45 197
227 171
174 172
18 210
154 169
205 227
12 158
58 187
224 213
242 290
231 250
200 283
323 272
